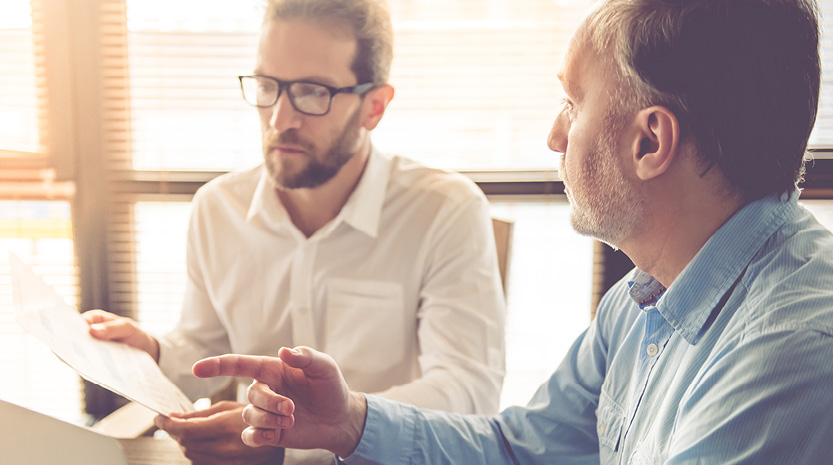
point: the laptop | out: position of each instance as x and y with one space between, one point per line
31 438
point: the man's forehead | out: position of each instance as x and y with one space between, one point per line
299 48
572 67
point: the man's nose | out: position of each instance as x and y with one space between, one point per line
284 116
557 141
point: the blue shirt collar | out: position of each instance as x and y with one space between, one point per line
716 268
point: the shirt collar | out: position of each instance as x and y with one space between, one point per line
362 210
266 208
716 268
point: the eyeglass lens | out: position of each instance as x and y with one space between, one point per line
305 97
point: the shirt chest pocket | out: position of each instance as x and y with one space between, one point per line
610 420
365 327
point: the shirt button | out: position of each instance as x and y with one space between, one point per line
602 428
652 350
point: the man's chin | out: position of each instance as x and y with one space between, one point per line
581 223
303 180
283 174
286 183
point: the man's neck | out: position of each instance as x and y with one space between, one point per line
677 228
310 209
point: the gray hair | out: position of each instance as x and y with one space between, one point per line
742 77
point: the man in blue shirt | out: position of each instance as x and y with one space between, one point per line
683 132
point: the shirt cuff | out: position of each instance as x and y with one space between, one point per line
388 436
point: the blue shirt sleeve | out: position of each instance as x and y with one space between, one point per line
558 424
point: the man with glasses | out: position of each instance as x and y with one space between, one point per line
386 264
683 136
307 97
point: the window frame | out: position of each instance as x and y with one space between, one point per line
104 190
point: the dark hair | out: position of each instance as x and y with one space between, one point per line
742 76
366 20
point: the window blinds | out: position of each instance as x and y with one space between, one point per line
476 90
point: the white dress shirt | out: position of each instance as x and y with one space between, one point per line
401 288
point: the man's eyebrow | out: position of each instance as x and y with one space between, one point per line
313 79
319 80
568 89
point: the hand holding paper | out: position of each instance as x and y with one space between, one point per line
125 370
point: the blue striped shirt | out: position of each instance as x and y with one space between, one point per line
733 363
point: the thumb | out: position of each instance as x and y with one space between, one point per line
211 410
314 364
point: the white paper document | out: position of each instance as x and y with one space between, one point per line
125 370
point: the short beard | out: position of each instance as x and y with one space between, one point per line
611 207
319 168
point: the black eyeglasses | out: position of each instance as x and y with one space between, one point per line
309 98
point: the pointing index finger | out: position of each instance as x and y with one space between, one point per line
265 369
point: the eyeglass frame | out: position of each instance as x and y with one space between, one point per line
360 89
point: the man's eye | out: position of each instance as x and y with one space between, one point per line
313 91
567 106
266 86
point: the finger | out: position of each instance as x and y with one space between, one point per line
260 418
256 437
230 445
120 328
315 364
216 408
168 425
97 316
266 369
191 429
212 423
263 397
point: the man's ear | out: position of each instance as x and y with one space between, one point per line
656 142
375 103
